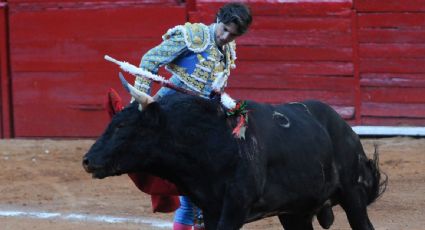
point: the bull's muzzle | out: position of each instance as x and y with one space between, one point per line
90 166
86 165
99 171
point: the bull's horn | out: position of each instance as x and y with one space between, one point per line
138 95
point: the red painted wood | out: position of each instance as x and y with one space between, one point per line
368 66
391 36
6 129
393 20
60 79
20 5
303 24
93 2
393 80
278 8
115 23
190 5
301 53
389 5
3 76
280 96
392 121
78 55
207 9
286 67
355 60
393 95
393 110
401 65
285 81
295 38
66 39
393 50
62 104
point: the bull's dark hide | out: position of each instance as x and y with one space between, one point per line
296 161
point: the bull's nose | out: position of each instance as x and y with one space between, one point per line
86 163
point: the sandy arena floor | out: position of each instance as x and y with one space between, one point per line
43 186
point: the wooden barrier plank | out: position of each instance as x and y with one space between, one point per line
393 80
289 81
47 5
295 8
393 95
371 109
392 50
389 5
281 96
6 129
391 36
393 20
401 65
302 24
294 38
391 121
301 53
129 23
72 2
76 55
62 104
286 67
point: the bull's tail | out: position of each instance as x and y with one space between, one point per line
379 179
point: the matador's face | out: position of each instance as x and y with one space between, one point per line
225 33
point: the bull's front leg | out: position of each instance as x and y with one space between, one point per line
235 208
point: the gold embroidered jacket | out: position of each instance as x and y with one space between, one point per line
189 52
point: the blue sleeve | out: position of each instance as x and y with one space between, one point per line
172 46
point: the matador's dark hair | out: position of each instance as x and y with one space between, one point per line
238 13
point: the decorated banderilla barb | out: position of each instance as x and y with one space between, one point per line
234 108
139 72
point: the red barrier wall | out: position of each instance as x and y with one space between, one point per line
391 38
5 100
60 78
294 51
364 57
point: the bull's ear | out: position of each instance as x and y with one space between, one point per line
153 114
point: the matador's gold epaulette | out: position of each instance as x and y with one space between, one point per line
197 36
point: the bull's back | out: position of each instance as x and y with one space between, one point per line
297 151
345 141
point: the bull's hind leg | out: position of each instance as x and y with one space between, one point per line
354 205
296 222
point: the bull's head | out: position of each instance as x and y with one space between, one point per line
119 150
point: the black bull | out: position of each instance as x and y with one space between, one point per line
296 161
